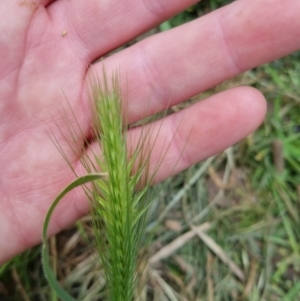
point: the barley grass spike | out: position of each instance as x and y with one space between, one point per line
118 207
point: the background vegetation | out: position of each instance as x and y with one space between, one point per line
226 229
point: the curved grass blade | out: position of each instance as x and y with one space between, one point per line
119 201
61 293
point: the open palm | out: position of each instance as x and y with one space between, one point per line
46 48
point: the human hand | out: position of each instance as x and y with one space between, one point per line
46 48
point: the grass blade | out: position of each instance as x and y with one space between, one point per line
61 293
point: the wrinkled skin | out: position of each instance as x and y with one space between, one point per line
46 48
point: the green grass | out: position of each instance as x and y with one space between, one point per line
247 200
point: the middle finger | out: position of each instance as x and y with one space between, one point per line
180 63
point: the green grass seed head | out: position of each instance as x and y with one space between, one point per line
119 204
119 182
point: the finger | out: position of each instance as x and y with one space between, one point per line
206 128
103 26
187 60
15 17
200 131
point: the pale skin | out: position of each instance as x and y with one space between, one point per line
46 48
